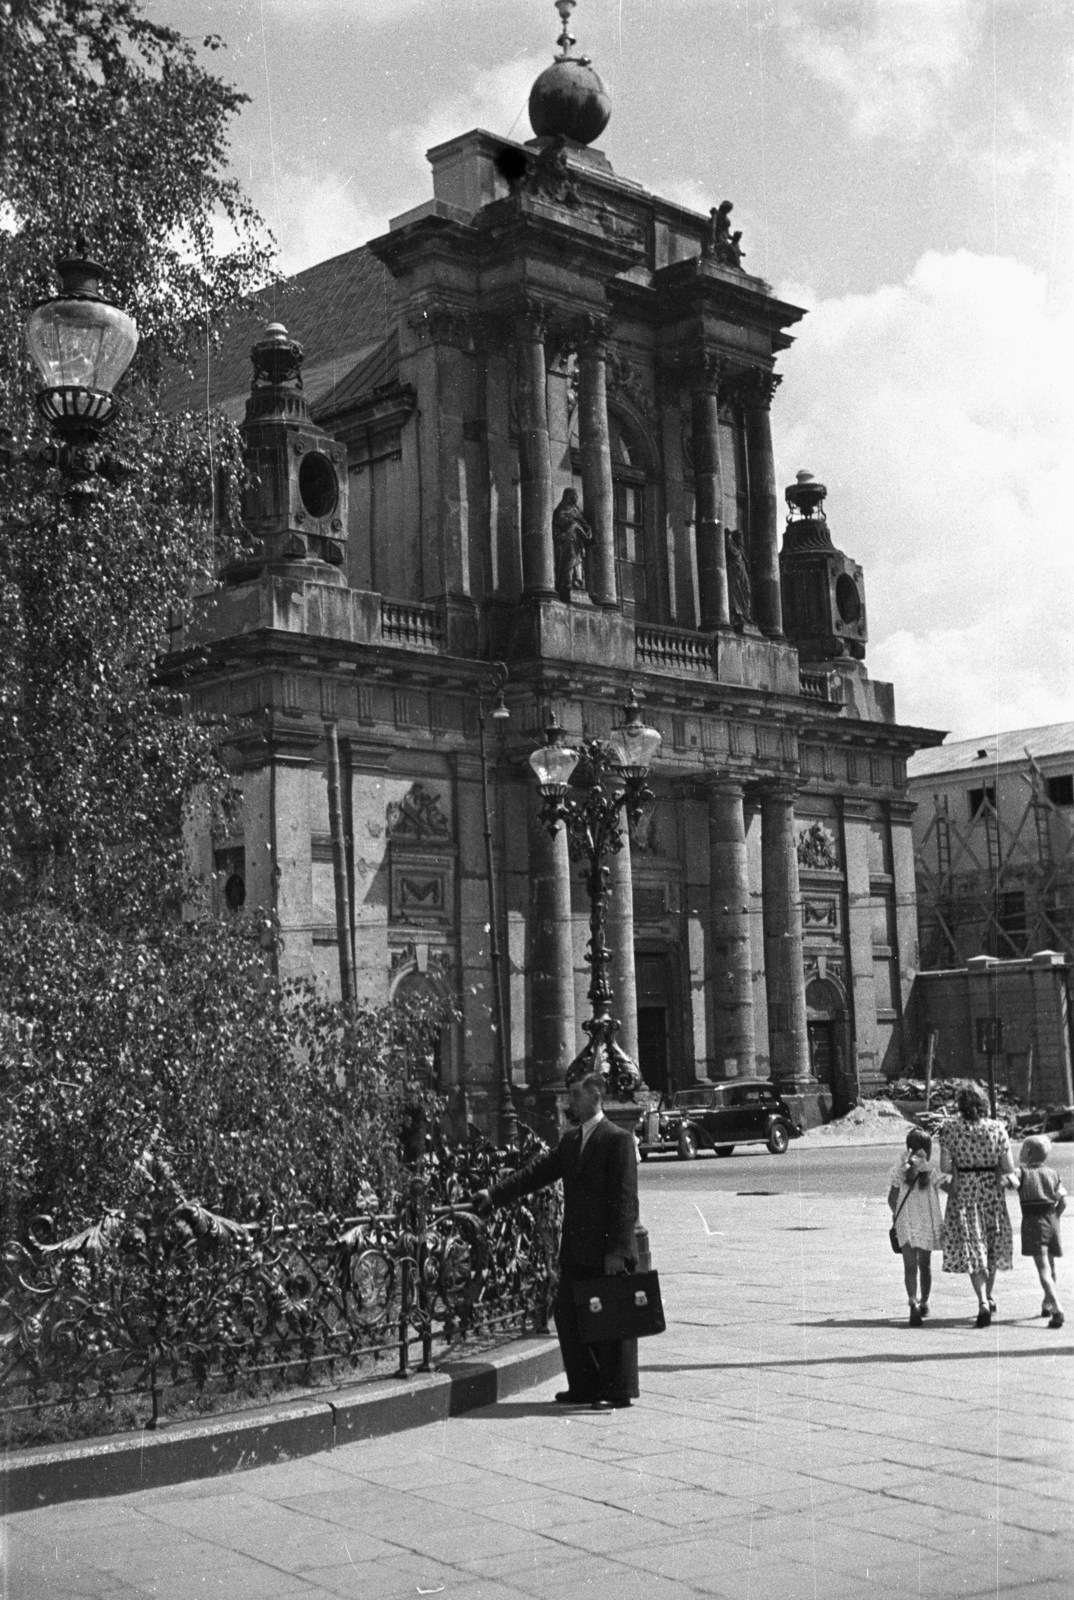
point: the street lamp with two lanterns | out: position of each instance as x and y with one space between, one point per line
590 790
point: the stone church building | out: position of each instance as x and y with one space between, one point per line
414 416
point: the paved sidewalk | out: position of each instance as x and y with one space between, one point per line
794 1439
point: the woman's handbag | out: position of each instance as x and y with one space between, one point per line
625 1306
893 1232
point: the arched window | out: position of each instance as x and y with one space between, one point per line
633 558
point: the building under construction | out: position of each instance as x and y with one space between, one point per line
994 846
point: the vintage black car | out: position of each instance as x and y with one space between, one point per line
717 1117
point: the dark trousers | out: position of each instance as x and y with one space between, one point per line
604 1371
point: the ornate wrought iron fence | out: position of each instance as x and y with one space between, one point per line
166 1293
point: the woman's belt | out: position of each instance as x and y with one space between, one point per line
992 1168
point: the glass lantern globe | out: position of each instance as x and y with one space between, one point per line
553 762
634 744
81 344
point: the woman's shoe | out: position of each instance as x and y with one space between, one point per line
1046 1310
991 1305
1056 1320
924 1308
984 1318
915 1316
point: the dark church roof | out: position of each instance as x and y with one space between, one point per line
340 312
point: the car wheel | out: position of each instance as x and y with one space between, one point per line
724 1149
687 1145
778 1139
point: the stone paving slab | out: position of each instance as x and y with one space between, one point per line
794 1439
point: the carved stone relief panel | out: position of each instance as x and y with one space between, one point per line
422 889
817 850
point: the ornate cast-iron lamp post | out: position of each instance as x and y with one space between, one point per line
493 684
587 790
81 344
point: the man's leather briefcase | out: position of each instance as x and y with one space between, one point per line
626 1306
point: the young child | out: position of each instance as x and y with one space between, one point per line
915 1205
1043 1200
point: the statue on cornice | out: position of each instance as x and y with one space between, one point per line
571 538
718 243
739 588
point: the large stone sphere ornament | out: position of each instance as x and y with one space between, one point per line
569 99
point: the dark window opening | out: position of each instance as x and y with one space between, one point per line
230 867
977 798
1061 790
630 546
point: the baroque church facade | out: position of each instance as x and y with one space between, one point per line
532 424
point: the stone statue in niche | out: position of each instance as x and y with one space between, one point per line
571 538
816 848
718 242
739 588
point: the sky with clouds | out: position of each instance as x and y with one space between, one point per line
902 168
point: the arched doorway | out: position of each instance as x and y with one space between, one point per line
826 1019
412 984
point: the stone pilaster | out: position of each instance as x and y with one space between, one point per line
620 926
595 444
764 512
534 455
788 1036
731 970
856 826
708 528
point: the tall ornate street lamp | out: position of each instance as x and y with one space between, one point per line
493 684
590 790
81 344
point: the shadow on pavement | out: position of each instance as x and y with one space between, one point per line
885 1356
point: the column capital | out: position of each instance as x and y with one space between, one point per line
753 387
531 317
782 791
592 332
727 784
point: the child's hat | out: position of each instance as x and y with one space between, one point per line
1035 1150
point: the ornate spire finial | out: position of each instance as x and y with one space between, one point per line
566 38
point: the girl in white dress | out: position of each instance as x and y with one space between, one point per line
915 1203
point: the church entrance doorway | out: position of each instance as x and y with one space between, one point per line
826 1022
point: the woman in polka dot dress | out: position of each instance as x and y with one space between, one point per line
976 1227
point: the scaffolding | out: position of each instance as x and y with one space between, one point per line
999 885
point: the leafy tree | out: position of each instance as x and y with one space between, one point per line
122 1026
110 128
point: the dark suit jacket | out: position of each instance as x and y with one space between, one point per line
600 1193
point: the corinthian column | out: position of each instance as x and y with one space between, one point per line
551 952
757 395
595 444
534 456
788 1038
708 528
731 966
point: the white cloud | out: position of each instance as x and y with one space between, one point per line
940 416
319 217
891 62
497 101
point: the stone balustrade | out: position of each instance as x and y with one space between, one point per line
674 650
415 627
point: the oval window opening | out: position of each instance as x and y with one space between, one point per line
317 485
847 598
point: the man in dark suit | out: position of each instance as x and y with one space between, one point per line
597 1164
